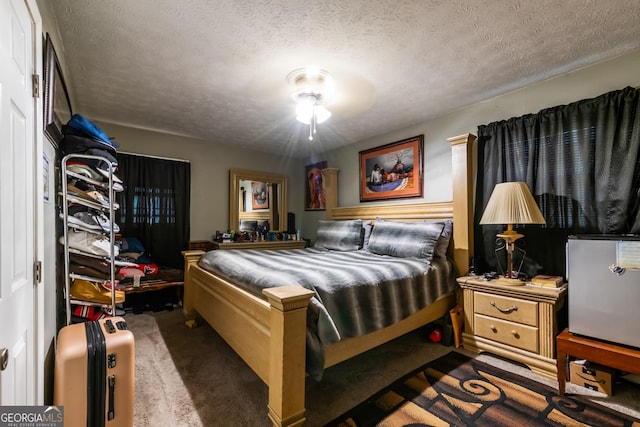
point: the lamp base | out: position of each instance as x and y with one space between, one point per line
510 282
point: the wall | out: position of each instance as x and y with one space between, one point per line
587 82
210 164
50 244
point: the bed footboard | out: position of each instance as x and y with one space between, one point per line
269 335
190 259
287 354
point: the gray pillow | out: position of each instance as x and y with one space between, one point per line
367 226
339 235
442 244
405 239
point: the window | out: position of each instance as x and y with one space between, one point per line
154 206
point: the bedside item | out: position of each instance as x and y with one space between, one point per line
457 322
605 353
511 203
545 280
592 376
516 322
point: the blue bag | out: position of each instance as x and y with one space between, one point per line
81 123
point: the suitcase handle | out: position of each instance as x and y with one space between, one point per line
111 411
110 328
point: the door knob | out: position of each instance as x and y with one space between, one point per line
4 358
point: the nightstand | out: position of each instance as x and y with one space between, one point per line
516 322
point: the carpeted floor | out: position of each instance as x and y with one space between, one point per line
461 391
190 377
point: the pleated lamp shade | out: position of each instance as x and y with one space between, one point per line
512 203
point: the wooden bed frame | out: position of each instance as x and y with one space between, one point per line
269 334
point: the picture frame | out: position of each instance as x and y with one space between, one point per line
314 196
392 171
259 195
57 104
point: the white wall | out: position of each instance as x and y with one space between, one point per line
50 244
585 83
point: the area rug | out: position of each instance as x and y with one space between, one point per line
456 390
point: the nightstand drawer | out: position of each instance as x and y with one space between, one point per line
509 333
512 309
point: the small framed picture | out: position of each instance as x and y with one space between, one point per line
392 171
259 195
314 199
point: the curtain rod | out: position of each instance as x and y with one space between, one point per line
155 157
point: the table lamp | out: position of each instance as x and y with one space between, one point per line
511 203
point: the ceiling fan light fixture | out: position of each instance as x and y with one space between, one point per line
306 110
312 88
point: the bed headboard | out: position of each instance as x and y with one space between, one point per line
460 209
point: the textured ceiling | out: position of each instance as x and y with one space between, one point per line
216 70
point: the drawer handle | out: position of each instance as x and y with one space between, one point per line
493 328
515 334
504 310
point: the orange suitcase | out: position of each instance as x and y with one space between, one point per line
95 372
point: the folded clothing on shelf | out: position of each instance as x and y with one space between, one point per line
90 243
87 171
87 312
98 264
85 270
102 154
85 290
86 191
148 268
88 219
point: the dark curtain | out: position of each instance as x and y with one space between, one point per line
581 163
154 206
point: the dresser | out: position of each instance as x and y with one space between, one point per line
261 245
516 322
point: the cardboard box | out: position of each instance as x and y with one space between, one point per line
592 376
545 280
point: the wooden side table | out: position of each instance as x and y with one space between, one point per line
516 322
614 356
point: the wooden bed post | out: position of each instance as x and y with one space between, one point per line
287 353
462 179
330 190
190 259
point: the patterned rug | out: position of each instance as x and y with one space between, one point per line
456 390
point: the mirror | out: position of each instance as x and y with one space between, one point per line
257 196
57 105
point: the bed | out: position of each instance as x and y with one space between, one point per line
270 332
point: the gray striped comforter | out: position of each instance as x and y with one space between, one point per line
356 292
